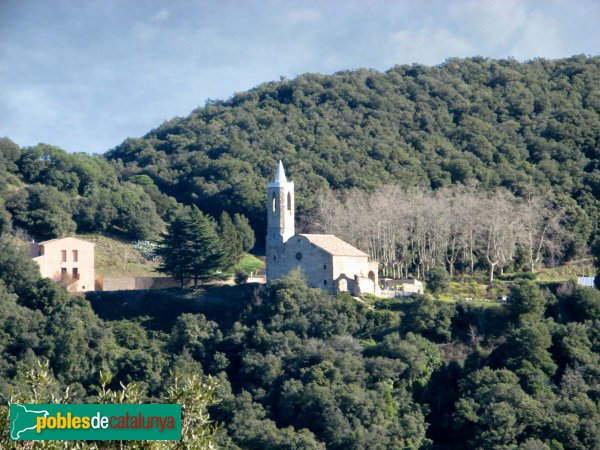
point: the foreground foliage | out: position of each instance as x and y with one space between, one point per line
193 394
295 368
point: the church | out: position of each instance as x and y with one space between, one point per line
327 261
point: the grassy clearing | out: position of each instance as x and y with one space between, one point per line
118 257
251 263
569 271
472 289
479 303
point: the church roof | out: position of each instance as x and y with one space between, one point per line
333 245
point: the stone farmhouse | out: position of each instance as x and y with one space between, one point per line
68 261
327 261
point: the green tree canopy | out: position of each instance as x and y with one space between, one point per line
43 210
230 241
190 249
244 231
526 299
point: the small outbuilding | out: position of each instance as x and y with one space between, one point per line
406 286
586 281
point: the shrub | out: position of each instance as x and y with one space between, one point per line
241 276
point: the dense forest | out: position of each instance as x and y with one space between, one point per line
471 168
478 122
528 128
49 193
296 368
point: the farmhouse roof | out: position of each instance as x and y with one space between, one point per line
62 238
333 245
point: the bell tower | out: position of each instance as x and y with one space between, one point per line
280 214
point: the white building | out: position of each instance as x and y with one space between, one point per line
326 261
586 281
66 260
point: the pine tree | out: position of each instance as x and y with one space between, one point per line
190 249
230 241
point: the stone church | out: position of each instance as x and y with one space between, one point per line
326 261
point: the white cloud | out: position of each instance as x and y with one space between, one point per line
304 15
144 31
540 36
161 15
491 24
148 30
86 77
429 46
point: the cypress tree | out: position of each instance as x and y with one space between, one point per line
230 241
244 231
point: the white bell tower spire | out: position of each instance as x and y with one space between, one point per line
280 209
280 217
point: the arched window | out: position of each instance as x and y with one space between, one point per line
289 201
372 276
273 205
342 285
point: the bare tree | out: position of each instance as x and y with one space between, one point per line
417 229
497 235
542 230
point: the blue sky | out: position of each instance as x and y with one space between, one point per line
86 74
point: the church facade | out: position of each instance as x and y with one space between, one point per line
327 261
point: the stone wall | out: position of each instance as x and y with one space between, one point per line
359 268
320 268
315 263
135 283
259 280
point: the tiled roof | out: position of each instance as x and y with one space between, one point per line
333 245
62 238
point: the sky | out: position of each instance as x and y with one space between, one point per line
86 74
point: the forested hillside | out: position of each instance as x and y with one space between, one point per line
472 168
299 369
46 193
522 126
525 132
50 193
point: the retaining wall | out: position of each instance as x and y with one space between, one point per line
135 283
